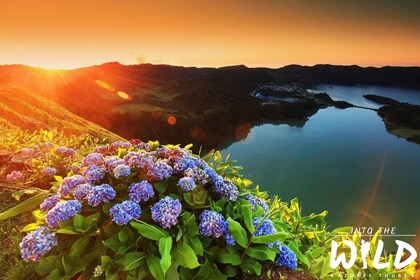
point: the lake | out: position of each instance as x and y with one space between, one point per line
334 161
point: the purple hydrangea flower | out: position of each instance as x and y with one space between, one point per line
286 257
265 228
227 190
37 243
63 211
212 223
254 201
48 145
230 241
172 155
93 158
166 211
142 191
50 202
183 164
65 152
187 184
102 193
198 174
139 160
124 212
121 144
122 170
81 191
94 174
113 161
214 177
102 149
15 176
159 170
49 171
69 184
143 146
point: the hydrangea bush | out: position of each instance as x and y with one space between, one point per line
135 210
131 210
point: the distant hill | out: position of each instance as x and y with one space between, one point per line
211 105
21 108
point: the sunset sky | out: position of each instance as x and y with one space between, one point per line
273 33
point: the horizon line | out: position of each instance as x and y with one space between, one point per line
212 67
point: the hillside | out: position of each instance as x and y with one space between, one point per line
21 108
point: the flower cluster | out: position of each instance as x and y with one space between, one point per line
286 258
142 191
50 202
49 171
166 211
124 212
100 194
227 190
257 201
62 211
69 184
187 184
81 191
65 152
122 170
213 224
14 176
37 243
94 174
93 159
160 170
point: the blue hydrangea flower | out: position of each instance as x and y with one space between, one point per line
69 184
140 160
122 170
183 164
214 177
172 154
112 161
124 212
94 174
93 158
159 170
142 191
187 184
14 176
166 211
286 257
50 202
265 228
230 241
212 223
65 152
81 191
100 194
257 201
227 190
49 171
197 174
63 211
37 243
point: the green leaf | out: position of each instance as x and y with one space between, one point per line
79 222
262 253
265 239
153 263
160 187
30 227
238 232
185 256
149 231
165 246
251 266
196 245
132 260
229 255
24 206
247 215
67 231
47 264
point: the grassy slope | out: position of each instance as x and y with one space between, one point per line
21 108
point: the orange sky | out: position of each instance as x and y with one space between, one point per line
75 33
